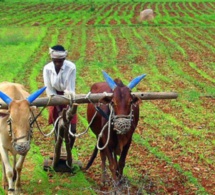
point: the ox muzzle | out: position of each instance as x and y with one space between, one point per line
21 147
122 123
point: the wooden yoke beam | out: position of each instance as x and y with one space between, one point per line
94 98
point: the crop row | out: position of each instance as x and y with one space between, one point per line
172 149
71 14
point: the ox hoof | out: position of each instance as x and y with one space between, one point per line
105 182
11 192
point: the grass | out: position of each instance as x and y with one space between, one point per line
170 50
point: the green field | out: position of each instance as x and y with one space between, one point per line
173 147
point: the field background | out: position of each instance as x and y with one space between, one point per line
173 147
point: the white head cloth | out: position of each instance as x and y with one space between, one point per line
57 54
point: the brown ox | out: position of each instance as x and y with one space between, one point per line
15 131
113 120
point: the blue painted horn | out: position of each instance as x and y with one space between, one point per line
135 81
36 94
5 98
109 80
30 99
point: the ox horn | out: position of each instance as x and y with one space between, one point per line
109 80
5 98
34 95
135 81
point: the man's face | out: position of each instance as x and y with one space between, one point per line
58 62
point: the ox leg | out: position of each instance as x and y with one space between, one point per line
112 164
14 168
4 178
121 163
58 144
18 169
92 158
8 170
103 165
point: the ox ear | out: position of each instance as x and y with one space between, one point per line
35 95
135 81
5 98
136 100
109 80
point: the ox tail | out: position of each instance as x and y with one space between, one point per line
92 158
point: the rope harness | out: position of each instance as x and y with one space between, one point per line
35 120
121 124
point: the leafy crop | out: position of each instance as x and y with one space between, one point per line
173 147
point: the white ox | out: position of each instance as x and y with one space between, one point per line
15 131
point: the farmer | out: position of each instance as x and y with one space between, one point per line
59 77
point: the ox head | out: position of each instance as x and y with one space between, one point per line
122 103
121 93
19 121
